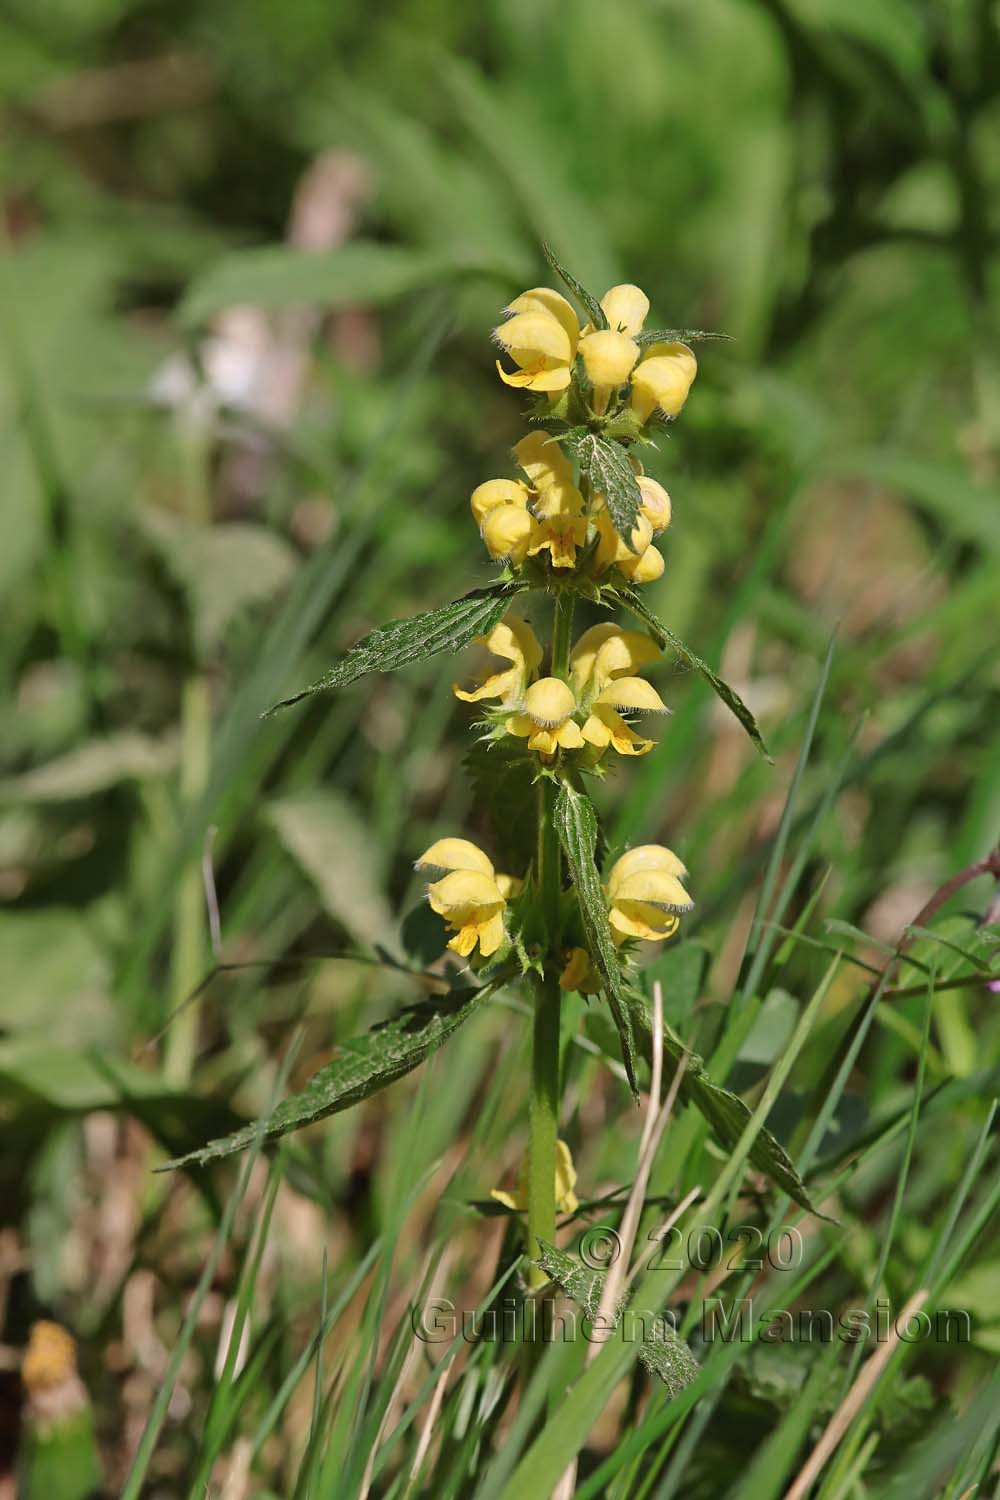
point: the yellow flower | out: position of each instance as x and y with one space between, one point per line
541 338
566 1199
637 559
579 973
607 651
625 308
605 725
662 379
500 507
471 897
561 526
655 503
516 642
543 460
545 720
645 894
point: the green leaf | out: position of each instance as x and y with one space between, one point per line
576 822
362 1067
665 637
275 277
586 299
663 1352
678 335
324 833
725 1112
606 466
402 641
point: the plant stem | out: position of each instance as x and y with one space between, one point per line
188 957
543 1112
562 631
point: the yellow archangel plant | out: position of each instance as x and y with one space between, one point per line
574 524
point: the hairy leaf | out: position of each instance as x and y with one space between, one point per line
586 299
678 335
725 1112
663 1352
606 466
402 641
576 822
665 637
361 1067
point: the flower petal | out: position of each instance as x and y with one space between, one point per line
454 854
606 651
509 531
538 377
655 503
529 335
626 308
549 701
632 695
633 919
543 460
644 857
465 888
662 380
494 493
655 888
608 357
542 299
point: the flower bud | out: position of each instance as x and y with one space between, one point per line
645 569
655 503
496 492
508 531
662 380
549 701
608 357
625 308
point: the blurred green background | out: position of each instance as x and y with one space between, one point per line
252 255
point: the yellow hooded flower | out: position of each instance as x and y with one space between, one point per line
500 507
655 503
662 379
626 308
606 726
516 642
645 894
541 338
579 973
607 651
471 896
561 525
637 559
546 718
566 1199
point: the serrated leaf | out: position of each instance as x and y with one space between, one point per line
609 471
665 637
663 1352
576 822
362 1067
678 335
403 641
586 299
725 1112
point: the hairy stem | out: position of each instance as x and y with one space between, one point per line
562 631
543 1111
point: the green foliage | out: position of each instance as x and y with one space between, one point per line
577 825
403 641
362 1066
587 300
666 637
661 1352
604 463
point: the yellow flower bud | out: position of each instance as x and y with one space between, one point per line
608 357
496 492
655 503
625 308
662 380
509 532
549 701
645 569
579 973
